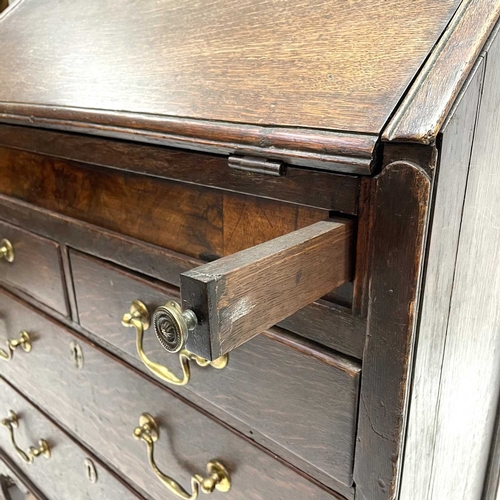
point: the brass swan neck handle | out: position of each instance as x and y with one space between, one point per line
217 477
12 423
138 318
6 250
24 341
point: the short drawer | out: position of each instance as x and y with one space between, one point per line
70 472
101 399
33 265
304 400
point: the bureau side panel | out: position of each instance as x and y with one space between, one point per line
451 182
470 379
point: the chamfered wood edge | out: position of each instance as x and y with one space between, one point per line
322 149
393 311
426 105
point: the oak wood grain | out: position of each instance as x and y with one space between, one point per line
329 324
433 93
64 475
271 373
452 171
190 219
318 189
37 268
470 378
298 64
100 404
239 296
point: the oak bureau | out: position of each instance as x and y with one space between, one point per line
249 249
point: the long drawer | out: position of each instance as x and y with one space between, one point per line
70 472
303 400
101 399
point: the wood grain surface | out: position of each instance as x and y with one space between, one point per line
241 295
36 269
400 211
329 324
432 95
470 378
196 221
335 192
100 404
64 475
271 374
297 63
453 168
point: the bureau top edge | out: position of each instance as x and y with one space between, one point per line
307 82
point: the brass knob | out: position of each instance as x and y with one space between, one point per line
138 318
24 342
6 250
172 325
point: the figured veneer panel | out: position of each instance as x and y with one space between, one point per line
186 218
335 192
36 269
271 374
101 403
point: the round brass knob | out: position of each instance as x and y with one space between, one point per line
6 250
172 325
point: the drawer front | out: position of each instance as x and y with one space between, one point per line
36 268
306 402
101 399
13 484
70 472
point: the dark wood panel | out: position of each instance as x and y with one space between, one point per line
36 268
298 63
241 295
185 218
331 191
101 404
64 475
271 373
329 324
399 214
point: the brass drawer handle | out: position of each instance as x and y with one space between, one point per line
217 477
12 422
23 341
6 250
138 318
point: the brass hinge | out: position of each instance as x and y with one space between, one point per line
257 165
